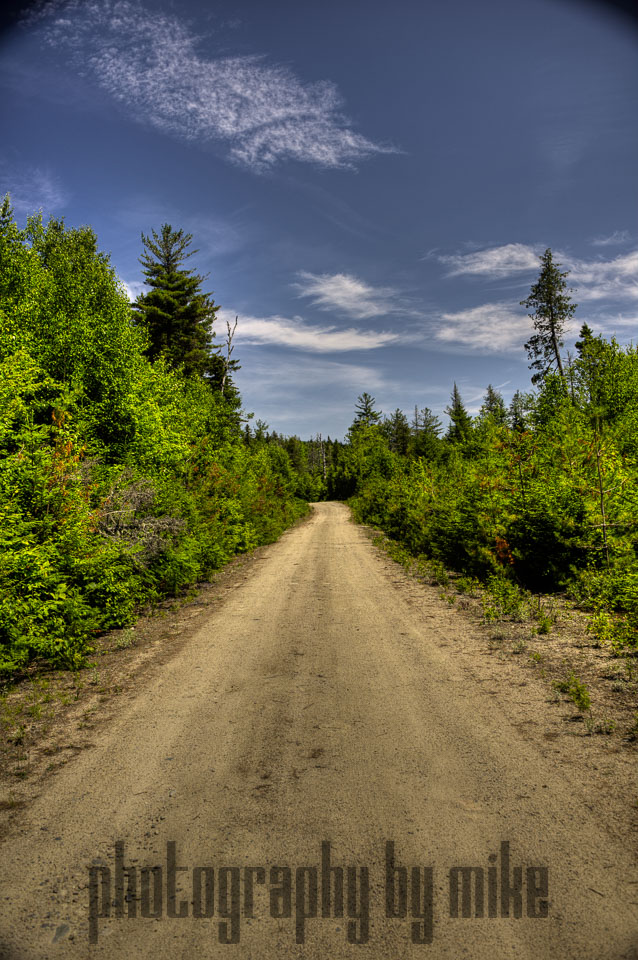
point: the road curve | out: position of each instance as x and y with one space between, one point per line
315 707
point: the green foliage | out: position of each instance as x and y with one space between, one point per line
460 429
126 639
121 480
545 619
365 413
518 412
493 411
576 691
397 431
619 634
426 435
503 599
468 585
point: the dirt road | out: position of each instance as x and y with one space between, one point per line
315 706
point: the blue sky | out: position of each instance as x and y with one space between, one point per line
370 184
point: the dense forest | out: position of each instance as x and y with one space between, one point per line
129 470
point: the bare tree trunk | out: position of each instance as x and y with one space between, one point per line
601 493
229 349
559 362
323 455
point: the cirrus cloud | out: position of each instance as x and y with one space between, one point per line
347 294
616 238
489 328
494 262
615 279
150 62
300 335
31 188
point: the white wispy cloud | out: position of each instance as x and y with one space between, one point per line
489 328
622 325
301 394
619 321
300 335
283 377
344 293
592 279
615 279
615 238
31 189
150 62
494 262
504 328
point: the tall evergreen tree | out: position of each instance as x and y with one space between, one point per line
9 237
365 414
219 374
426 434
493 407
551 307
460 427
586 338
177 314
6 215
516 415
397 430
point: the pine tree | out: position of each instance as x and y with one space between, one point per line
261 431
493 407
460 428
219 375
551 308
516 413
586 338
177 315
397 430
9 233
365 414
6 215
9 236
426 434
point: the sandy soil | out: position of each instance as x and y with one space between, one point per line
328 698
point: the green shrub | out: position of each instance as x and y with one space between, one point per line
576 690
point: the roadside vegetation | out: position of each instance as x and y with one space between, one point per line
537 498
126 474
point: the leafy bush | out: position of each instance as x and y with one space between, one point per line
504 599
